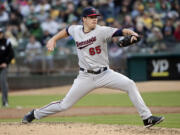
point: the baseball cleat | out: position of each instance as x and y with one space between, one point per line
152 120
28 118
5 104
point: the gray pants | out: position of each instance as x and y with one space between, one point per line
4 85
87 82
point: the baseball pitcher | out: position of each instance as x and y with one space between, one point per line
91 42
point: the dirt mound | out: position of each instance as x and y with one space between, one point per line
81 129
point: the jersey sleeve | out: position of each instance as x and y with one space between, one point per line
70 30
108 32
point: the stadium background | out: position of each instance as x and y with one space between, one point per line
28 22
156 57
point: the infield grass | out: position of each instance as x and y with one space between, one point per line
171 120
121 99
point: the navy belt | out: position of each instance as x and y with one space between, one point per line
94 72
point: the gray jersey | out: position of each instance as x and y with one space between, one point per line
92 46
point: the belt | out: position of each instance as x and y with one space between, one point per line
94 72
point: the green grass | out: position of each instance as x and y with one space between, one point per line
151 99
171 120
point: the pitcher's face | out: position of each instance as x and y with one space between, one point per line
90 21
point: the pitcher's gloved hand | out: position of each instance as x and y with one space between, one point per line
128 40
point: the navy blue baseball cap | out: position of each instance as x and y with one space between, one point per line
90 11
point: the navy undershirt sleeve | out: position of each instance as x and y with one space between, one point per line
118 33
67 30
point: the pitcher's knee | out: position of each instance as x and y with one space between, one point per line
131 85
64 107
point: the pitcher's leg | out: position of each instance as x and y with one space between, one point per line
118 81
79 89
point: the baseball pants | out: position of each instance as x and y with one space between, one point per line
86 82
4 85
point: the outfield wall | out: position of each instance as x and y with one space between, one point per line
145 67
39 81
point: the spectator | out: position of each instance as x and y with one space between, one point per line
147 20
162 7
24 8
157 22
4 17
125 9
141 30
137 8
14 20
168 32
150 6
128 22
42 16
11 36
177 32
6 55
43 6
69 14
34 57
50 25
109 6
36 30
155 40
175 5
82 4
168 24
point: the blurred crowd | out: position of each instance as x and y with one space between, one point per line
29 24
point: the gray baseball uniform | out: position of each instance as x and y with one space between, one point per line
94 72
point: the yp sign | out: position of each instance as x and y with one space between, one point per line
160 68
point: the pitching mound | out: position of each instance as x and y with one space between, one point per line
80 129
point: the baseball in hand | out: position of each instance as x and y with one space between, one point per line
51 44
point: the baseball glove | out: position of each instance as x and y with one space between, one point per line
126 41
